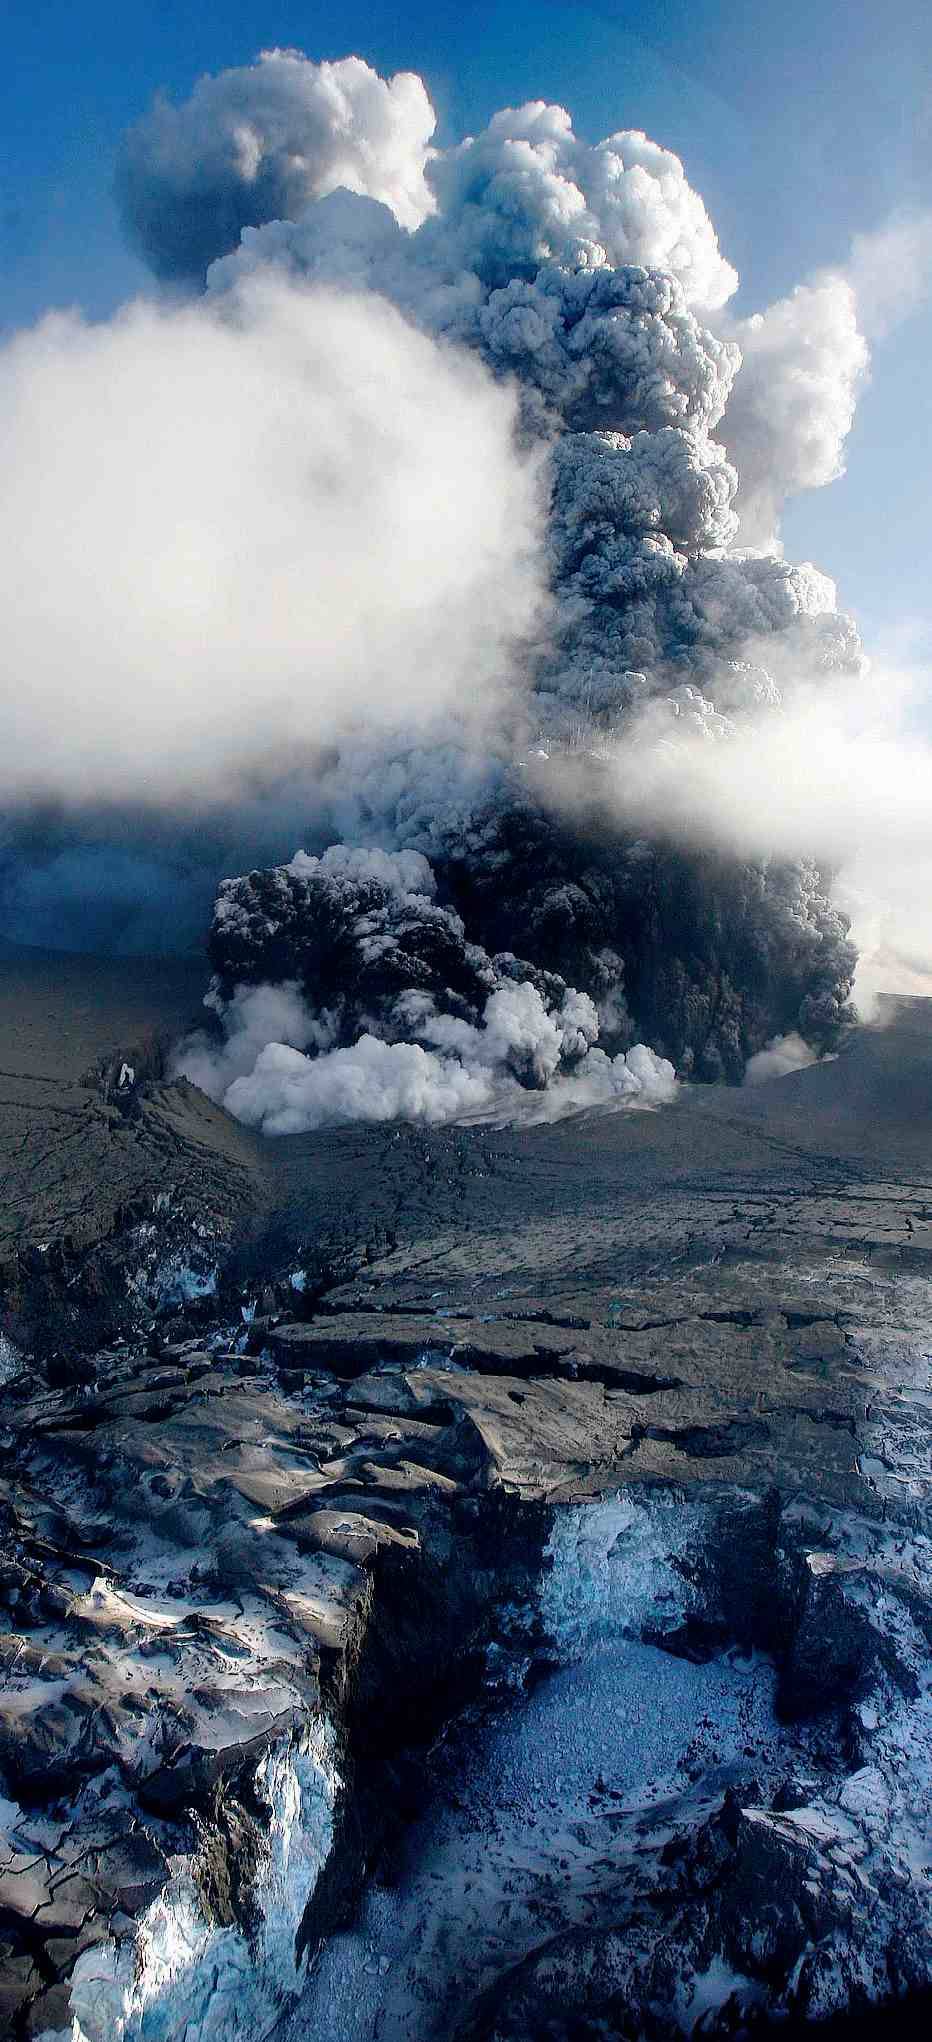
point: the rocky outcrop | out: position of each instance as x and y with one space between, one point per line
117 1188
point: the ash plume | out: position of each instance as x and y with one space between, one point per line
431 514
405 1016
259 143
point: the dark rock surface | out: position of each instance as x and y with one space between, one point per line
106 1187
469 1386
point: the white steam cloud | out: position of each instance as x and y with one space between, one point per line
890 272
803 364
842 767
260 143
784 1054
527 192
230 530
453 1071
482 1040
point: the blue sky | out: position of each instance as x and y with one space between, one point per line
799 124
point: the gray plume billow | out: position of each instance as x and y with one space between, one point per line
587 282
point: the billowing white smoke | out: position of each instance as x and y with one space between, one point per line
261 142
255 1016
590 344
842 765
454 1072
298 548
531 1054
784 1054
527 192
890 272
233 531
803 363
289 531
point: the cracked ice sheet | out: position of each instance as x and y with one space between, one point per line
526 1852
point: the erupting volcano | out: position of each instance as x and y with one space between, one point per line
473 589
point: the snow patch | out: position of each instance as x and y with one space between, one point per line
179 1283
181 1974
10 1360
559 1799
613 1569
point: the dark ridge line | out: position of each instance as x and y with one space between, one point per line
543 1366
705 1442
795 1321
842 1421
565 1321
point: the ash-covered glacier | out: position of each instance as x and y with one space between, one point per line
467 1579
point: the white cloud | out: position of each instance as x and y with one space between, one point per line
792 405
840 771
454 1070
231 531
805 363
890 272
260 142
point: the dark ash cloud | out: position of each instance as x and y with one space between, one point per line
443 525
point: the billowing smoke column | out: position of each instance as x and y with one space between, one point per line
587 276
259 144
556 920
352 957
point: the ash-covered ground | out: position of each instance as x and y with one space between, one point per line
484 1590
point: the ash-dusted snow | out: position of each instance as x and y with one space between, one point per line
539 1810
557 1818
9 1360
612 1570
180 1975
